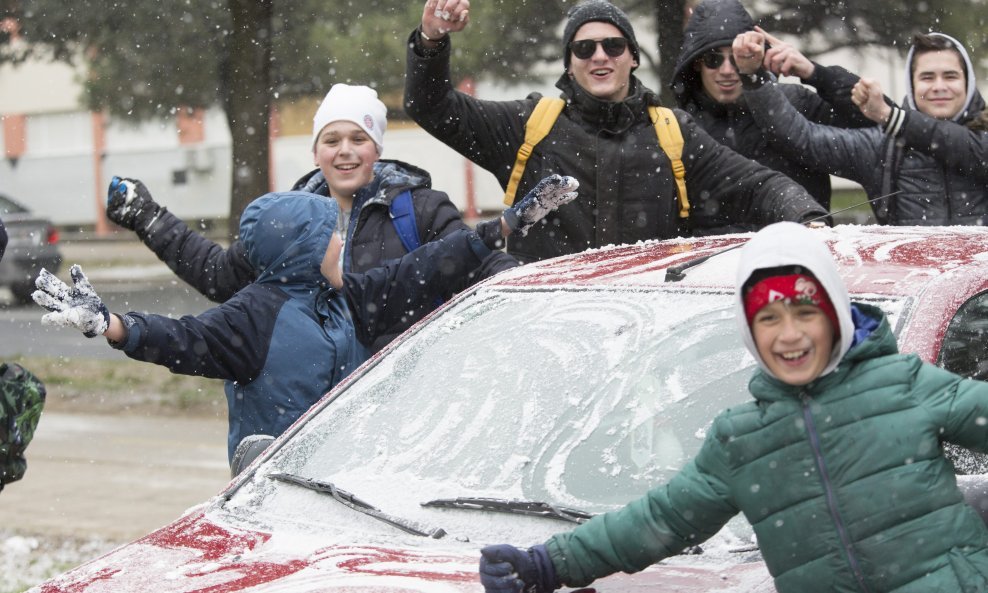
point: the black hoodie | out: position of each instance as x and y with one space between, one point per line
715 23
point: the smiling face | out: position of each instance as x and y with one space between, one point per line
601 75
793 340
939 83
346 155
722 83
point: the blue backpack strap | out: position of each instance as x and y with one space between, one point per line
403 217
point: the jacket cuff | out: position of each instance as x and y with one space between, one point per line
548 581
819 76
894 123
477 246
755 80
133 333
422 50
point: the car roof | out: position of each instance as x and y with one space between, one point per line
935 269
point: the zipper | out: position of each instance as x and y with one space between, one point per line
845 539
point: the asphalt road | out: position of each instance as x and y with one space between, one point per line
125 274
115 477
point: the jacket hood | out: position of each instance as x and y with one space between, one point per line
286 236
973 104
792 244
714 23
391 176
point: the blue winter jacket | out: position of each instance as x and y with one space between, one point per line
288 338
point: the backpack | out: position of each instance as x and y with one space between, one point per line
403 218
546 113
22 397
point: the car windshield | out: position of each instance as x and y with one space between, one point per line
581 399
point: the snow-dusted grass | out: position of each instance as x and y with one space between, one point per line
28 560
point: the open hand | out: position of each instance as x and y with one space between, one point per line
77 307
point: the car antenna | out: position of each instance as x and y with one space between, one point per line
677 273
829 214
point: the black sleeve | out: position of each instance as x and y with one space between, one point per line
853 154
391 298
831 104
488 133
727 190
215 272
228 342
438 217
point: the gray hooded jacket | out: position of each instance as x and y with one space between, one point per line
938 184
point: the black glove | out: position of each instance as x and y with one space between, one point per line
78 307
507 569
129 204
547 195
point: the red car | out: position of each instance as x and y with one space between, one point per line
541 397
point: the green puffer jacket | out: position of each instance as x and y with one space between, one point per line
843 481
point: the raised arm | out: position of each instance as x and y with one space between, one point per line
202 345
831 104
486 132
955 146
215 272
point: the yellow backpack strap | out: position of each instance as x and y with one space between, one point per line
671 141
544 115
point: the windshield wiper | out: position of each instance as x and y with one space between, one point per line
517 507
351 501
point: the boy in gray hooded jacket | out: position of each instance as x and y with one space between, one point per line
933 183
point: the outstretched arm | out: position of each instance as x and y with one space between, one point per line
209 345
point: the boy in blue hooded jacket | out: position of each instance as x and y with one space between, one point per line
303 325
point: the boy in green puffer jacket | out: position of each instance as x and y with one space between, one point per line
836 463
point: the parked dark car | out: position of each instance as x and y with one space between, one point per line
32 244
548 393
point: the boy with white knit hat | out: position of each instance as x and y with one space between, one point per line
357 104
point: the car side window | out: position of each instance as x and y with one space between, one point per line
965 352
965 344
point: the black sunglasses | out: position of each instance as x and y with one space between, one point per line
584 48
713 59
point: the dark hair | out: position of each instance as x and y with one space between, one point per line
923 43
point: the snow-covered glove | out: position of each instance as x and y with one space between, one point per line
547 195
507 569
129 204
78 307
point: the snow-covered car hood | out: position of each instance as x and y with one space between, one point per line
195 554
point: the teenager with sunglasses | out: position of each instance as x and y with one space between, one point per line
604 137
707 85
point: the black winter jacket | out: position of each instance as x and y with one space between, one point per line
714 24
372 240
627 189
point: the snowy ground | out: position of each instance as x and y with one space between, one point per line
27 560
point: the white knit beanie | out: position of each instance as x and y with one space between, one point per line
357 104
